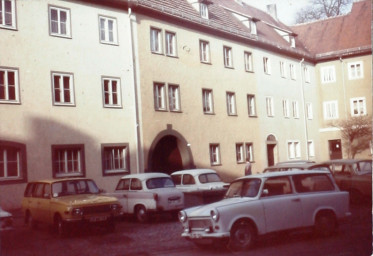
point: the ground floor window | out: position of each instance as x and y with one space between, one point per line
215 154
12 162
115 159
68 160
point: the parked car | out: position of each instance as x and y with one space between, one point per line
6 220
198 179
354 176
148 193
295 162
263 203
66 202
296 166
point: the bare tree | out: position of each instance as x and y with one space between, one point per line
321 9
356 134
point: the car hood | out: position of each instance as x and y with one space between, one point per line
204 210
82 200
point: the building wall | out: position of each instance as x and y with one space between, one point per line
39 124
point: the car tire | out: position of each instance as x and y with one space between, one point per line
29 221
242 236
60 226
325 224
141 214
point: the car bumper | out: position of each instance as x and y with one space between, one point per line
203 235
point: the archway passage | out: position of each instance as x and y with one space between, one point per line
166 157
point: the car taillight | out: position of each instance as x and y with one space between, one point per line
155 196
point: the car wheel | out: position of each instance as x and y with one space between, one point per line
242 236
60 226
325 224
29 221
141 214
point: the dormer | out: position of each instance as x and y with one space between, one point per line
248 21
201 6
287 35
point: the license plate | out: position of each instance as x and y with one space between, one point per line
195 235
97 219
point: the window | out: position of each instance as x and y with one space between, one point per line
12 162
240 153
215 154
277 186
8 14
266 66
295 106
307 76
204 49
108 30
63 89
249 151
207 101
292 41
358 107
111 92
292 71
328 74
203 10
188 179
251 105
228 61
68 160
294 149
155 40
282 69
309 110
159 96
311 148
9 89
174 97
115 159
269 106
170 44
59 22
248 61
286 108
330 110
312 183
231 103
355 70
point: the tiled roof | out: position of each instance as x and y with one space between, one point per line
339 35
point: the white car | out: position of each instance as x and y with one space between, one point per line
198 179
264 203
146 193
6 220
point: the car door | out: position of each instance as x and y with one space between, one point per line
282 207
44 203
121 192
188 182
133 194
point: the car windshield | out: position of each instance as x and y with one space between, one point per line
244 188
209 177
163 182
74 187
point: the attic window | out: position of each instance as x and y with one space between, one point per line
292 41
203 10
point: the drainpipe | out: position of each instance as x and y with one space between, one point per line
304 107
139 157
344 87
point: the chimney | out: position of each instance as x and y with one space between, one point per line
272 10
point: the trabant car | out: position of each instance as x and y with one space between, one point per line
198 179
295 166
354 176
144 194
63 202
263 203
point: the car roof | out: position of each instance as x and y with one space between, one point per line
346 161
57 180
282 173
291 162
194 171
296 166
146 175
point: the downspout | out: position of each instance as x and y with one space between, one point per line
304 107
139 157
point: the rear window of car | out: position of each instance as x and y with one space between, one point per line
160 183
312 183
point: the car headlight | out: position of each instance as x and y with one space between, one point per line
214 215
115 207
77 211
182 216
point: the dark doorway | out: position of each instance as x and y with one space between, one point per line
271 155
335 149
166 156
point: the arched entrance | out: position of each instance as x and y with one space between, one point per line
169 152
271 150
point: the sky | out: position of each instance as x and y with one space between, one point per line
286 9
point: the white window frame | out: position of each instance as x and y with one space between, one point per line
160 103
251 105
228 56
240 153
355 70
295 107
115 158
286 108
7 90
108 33
309 110
156 40
266 65
5 162
293 74
358 106
269 106
204 49
60 24
248 57
111 95
327 74
215 154
294 149
171 48
330 110
249 151
307 75
63 159
231 104
174 97
282 69
207 101
5 21
311 148
203 10
62 89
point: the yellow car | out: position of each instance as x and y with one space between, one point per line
68 201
